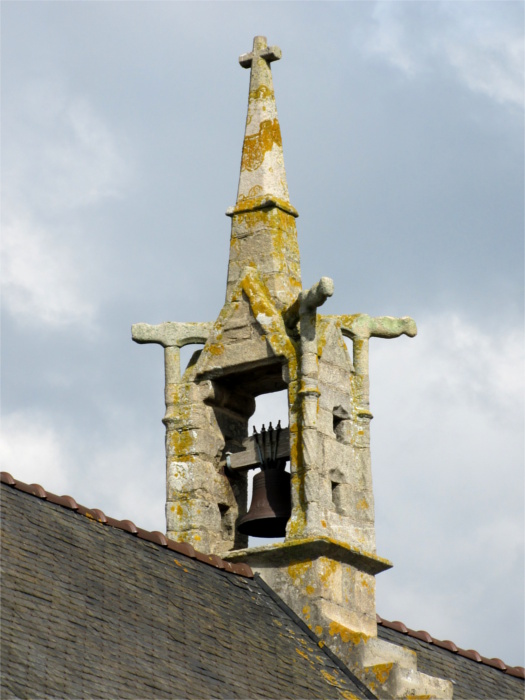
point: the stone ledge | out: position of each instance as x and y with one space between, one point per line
308 549
264 202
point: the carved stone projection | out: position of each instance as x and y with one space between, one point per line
270 336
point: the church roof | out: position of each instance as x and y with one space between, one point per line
94 611
473 675
97 607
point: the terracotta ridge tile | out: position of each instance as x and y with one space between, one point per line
470 654
155 536
420 634
517 671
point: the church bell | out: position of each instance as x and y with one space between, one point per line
271 500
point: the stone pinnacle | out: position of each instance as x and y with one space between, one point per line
263 177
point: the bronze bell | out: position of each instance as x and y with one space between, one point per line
271 505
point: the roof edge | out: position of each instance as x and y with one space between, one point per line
422 635
129 526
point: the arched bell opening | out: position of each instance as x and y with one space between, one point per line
251 408
269 489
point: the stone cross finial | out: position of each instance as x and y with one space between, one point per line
260 50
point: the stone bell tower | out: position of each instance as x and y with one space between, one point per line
270 336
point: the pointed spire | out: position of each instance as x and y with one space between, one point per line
262 180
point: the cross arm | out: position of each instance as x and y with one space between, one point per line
171 333
260 50
363 326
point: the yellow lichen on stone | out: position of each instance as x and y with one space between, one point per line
303 654
347 695
298 571
346 635
257 145
382 672
333 680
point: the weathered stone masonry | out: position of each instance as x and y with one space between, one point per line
270 336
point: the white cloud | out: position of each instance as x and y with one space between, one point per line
60 159
41 279
32 451
447 455
111 474
482 42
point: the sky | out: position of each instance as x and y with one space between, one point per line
402 125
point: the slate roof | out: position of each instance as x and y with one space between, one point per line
473 676
91 611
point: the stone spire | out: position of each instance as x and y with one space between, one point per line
263 177
264 235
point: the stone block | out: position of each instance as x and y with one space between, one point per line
331 396
193 514
334 375
361 536
363 469
325 422
338 460
188 416
407 683
356 504
202 441
339 618
317 488
379 651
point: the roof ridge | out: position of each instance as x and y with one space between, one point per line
154 536
422 635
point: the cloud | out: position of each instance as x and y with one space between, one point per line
40 280
110 474
481 42
41 458
60 162
447 457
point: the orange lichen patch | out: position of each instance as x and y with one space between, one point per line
362 504
257 145
323 523
347 635
347 695
215 348
303 654
318 630
382 672
264 310
277 622
299 570
329 568
333 680
365 583
261 92
306 612
310 590
418 697
180 441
